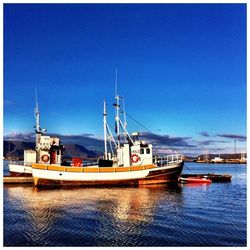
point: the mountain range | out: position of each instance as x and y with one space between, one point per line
15 149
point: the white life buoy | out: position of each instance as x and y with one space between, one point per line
135 158
45 158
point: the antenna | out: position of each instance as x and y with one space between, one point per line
115 82
36 99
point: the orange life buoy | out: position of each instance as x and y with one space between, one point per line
135 158
45 158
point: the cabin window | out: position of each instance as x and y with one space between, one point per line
142 151
147 150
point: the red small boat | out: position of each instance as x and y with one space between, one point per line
194 179
212 177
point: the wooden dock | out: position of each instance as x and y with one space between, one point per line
17 180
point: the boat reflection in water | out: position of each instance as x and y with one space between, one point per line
79 215
196 185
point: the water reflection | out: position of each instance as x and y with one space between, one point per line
188 215
124 209
203 186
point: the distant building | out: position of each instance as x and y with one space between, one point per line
217 160
243 159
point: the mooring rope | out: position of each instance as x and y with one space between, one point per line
153 133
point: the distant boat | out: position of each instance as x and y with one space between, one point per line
217 160
195 180
130 162
204 177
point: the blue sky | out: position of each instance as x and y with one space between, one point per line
181 69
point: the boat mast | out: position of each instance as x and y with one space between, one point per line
37 115
118 123
105 131
38 129
37 126
124 112
108 137
117 107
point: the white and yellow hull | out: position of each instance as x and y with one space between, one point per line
20 170
53 175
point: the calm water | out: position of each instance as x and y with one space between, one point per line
188 215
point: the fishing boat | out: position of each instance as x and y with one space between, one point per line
128 162
48 149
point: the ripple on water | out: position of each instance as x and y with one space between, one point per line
205 215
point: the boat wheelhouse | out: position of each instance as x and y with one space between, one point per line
48 150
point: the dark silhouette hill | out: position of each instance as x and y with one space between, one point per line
15 149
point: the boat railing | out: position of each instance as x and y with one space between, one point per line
89 163
158 160
149 159
167 160
21 163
